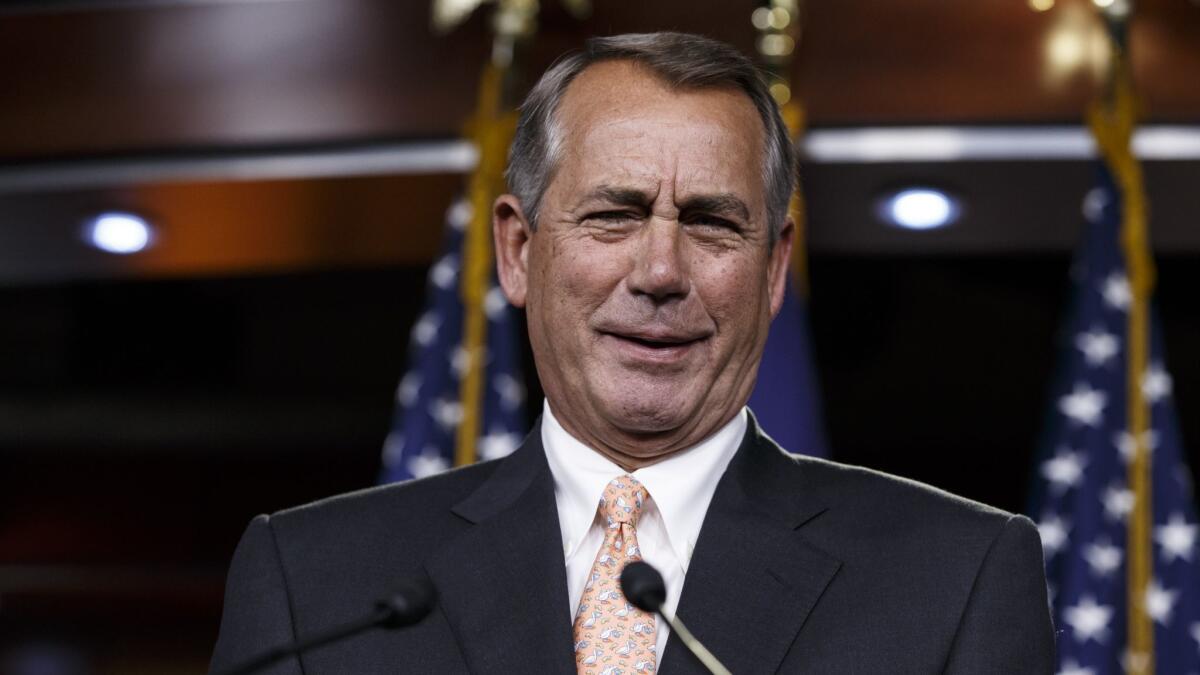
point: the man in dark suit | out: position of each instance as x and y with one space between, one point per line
647 238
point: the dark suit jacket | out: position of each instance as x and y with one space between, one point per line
802 566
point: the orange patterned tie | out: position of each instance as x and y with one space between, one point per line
611 635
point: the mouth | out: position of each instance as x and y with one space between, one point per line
656 343
655 346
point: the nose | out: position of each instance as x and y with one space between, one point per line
660 269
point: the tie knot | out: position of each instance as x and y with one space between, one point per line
622 500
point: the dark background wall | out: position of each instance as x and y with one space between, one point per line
278 390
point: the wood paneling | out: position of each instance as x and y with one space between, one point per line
168 75
231 227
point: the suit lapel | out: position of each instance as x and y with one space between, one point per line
753 579
502 583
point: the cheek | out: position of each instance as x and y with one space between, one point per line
587 270
575 278
734 290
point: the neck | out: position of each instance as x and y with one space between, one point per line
633 451
628 462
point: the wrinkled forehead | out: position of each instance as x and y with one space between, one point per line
618 117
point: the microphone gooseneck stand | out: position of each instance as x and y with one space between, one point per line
403 608
645 589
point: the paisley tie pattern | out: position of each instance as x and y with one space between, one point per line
612 637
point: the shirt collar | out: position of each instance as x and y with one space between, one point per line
680 486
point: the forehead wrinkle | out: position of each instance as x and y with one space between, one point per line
621 131
697 191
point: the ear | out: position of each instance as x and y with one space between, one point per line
511 233
778 267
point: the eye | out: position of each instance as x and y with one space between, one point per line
611 220
710 221
611 216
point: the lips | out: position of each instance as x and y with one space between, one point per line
656 346
657 341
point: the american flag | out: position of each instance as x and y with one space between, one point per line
428 406
1083 498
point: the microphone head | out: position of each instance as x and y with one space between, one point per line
643 586
410 603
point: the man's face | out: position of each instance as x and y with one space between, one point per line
649 282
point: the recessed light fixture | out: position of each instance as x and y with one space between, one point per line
118 232
919 208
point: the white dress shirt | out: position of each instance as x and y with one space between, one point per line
680 489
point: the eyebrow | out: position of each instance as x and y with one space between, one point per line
721 204
621 196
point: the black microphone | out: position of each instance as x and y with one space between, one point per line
645 589
409 604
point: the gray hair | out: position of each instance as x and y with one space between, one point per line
683 61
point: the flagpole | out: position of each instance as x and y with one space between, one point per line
1112 120
492 128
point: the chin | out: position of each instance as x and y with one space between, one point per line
648 415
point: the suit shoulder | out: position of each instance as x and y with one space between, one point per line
894 501
389 506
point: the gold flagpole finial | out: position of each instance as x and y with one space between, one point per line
779 26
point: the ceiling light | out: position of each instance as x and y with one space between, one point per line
118 232
920 208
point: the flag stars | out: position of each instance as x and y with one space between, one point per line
1089 620
1084 405
462 359
1073 668
446 413
1176 539
1103 557
428 463
1064 470
425 331
494 303
1053 531
1118 502
497 444
1098 346
429 412
459 214
1156 383
1128 449
1160 602
1087 501
1116 291
410 387
1094 204
444 271
510 389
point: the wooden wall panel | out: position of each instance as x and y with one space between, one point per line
232 227
163 75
